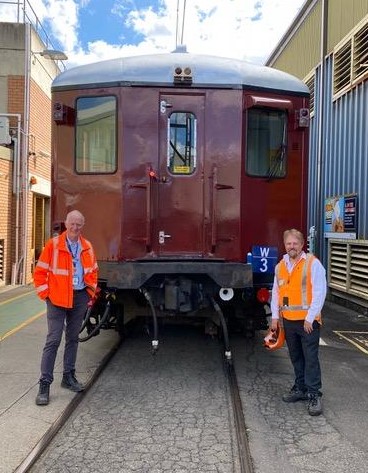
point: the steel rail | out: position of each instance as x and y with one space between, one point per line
45 441
245 459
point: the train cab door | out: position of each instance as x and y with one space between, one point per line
179 223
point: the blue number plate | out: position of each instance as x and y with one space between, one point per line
264 259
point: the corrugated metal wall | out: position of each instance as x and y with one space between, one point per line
302 53
343 16
338 131
344 159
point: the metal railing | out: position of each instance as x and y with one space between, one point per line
24 13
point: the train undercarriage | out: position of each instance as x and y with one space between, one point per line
185 297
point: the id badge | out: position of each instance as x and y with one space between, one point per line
75 281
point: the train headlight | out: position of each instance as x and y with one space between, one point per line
183 76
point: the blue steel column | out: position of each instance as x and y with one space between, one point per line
320 136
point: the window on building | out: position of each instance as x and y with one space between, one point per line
310 82
360 56
182 143
342 67
96 135
351 59
266 143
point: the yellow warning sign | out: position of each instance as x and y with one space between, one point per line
182 169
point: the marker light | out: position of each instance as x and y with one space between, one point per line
152 174
263 295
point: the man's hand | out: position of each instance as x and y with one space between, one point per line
308 327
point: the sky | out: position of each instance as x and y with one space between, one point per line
95 30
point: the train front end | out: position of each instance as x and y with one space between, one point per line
188 169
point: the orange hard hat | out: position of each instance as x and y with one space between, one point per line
274 339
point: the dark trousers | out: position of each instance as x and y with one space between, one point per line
303 351
59 318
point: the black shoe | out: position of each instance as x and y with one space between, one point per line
42 398
69 381
294 395
314 405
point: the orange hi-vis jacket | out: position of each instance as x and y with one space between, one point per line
295 289
53 275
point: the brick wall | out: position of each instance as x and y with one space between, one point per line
15 96
39 139
40 131
6 196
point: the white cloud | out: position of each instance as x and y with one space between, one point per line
233 28
63 19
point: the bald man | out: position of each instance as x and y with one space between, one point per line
65 277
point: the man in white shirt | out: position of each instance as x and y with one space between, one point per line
298 295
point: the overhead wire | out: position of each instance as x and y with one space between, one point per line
177 24
182 23
182 28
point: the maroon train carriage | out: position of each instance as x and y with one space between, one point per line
188 169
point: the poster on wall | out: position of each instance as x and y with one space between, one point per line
341 216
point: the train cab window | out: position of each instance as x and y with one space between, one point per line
266 143
96 135
182 143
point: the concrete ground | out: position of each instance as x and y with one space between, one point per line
22 336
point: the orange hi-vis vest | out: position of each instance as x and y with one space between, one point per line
53 274
295 288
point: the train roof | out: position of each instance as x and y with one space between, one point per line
158 70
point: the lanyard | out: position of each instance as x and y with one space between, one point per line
74 255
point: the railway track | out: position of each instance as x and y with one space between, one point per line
245 459
46 440
202 408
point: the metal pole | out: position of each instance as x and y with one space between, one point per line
17 219
16 190
320 149
27 77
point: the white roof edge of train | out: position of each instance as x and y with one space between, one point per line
159 69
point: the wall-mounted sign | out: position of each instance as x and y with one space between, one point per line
341 216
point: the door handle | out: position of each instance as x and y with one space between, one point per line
162 236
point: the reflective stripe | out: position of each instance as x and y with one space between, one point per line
61 272
294 307
308 262
55 255
90 269
41 264
54 268
42 288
